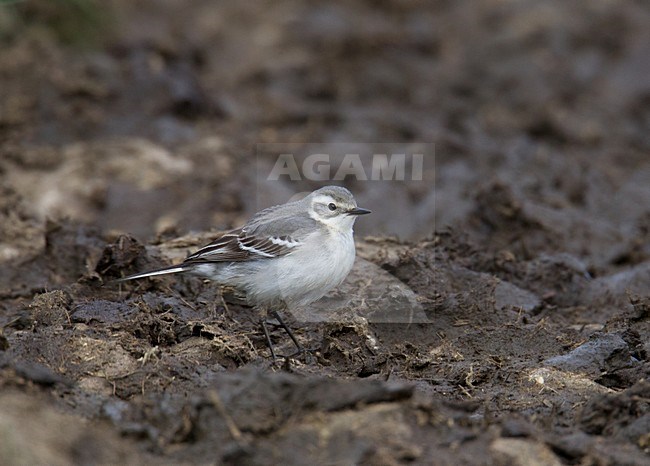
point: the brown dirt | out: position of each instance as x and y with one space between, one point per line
509 325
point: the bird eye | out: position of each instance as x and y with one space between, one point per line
332 206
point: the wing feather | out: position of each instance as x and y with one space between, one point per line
239 246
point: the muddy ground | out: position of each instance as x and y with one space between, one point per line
500 318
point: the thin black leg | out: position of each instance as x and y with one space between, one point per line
288 330
268 339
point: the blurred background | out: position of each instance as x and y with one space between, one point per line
144 116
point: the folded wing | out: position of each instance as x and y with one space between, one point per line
238 246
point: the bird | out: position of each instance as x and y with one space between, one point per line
286 256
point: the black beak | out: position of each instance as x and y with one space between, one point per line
358 211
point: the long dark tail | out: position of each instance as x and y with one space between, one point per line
153 273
